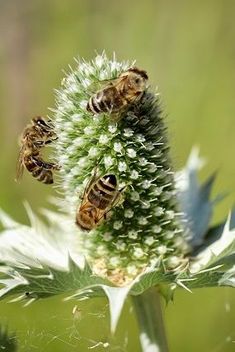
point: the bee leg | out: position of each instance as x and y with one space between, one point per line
50 140
90 182
117 199
107 215
38 144
56 167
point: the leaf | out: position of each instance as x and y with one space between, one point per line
228 279
43 260
195 199
217 251
151 278
116 297
214 233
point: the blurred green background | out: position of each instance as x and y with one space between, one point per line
188 49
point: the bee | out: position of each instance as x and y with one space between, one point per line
35 136
119 93
100 196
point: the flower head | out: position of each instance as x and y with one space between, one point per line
134 148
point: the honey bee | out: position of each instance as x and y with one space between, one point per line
35 136
100 196
119 93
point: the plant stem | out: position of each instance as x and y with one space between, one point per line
149 315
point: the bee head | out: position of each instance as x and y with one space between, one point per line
137 79
85 221
41 123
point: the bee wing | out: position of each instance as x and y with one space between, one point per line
101 84
20 164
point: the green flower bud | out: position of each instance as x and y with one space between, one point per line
143 227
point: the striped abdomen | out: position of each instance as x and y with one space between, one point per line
106 100
39 169
103 192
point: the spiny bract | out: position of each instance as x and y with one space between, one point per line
144 229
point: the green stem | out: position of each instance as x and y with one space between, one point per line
149 315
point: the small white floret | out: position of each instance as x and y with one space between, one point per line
132 234
117 225
112 128
88 130
161 249
128 213
142 220
146 184
173 262
170 214
117 147
131 153
138 252
120 245
107 236
156 229
122 166
103 139
99 61
143 162
93 151
158 211
128 132
108 161
114 261
83 104
134 175
135 196
149 240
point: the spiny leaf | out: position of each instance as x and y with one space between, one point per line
214 233
195 199
228 279
222 248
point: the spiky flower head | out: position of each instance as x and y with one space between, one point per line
144 229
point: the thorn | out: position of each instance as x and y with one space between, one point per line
180 283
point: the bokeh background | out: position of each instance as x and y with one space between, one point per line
188 49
